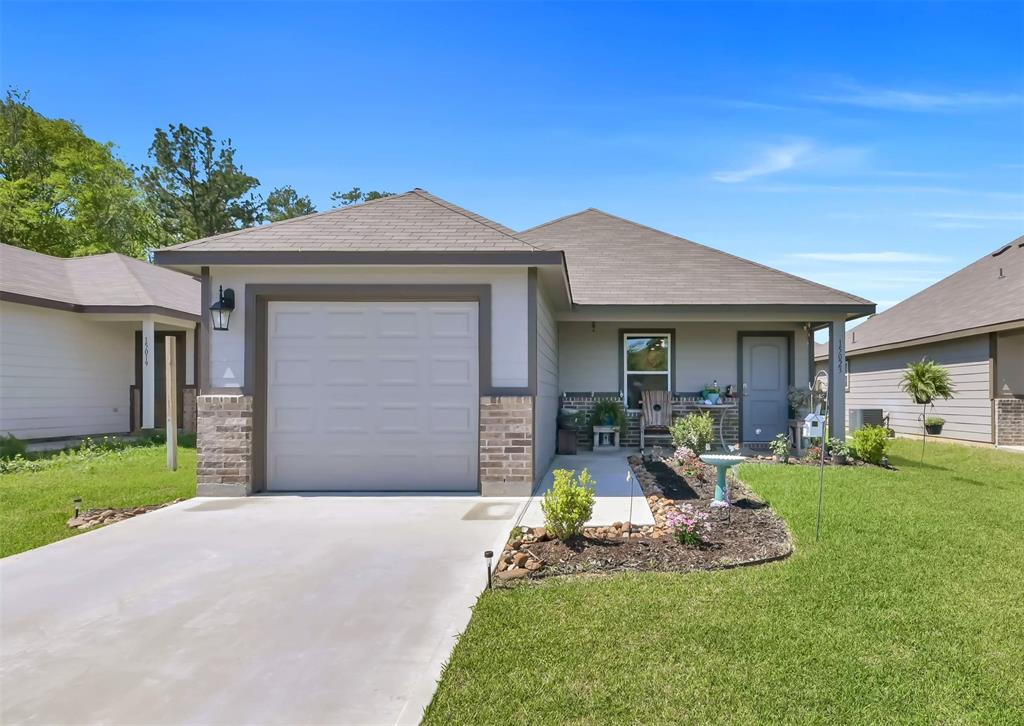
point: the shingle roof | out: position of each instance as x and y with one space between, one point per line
613 261
106 281
987 292
413 221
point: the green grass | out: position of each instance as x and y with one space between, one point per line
35 505
910 609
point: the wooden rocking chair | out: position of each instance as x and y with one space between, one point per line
656 415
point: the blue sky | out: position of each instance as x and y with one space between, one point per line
874 147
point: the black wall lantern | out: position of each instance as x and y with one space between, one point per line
220 311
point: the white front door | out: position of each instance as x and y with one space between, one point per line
376 396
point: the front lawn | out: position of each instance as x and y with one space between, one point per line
35 505
909 610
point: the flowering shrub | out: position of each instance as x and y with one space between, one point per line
569 503
813 455
689 526
694 431
683 455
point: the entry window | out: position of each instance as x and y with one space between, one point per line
647 365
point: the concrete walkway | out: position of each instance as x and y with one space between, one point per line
266 610
618 499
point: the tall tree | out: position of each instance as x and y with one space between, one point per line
63 193
285 203
195 185
355 195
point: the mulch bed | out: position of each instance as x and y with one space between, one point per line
746 533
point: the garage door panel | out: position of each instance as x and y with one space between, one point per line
346 324
383 396
452 324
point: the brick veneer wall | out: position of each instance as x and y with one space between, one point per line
681 405
224 445
506 445
1009 421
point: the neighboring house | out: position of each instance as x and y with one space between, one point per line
972 322
408 344
82 344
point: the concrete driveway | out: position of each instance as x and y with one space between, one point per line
266 610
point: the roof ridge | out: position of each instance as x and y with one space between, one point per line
940 281
854 298
479 219
333 210
559 219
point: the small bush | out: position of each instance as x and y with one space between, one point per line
870 443
695 431
838 447
569 503
11 446
780 446
689 526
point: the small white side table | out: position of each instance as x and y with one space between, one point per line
606 437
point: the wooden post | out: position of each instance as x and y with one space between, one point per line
171 390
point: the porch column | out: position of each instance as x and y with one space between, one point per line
148 374
837 378
190 356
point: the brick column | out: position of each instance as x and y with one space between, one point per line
506 445
1009 421
188 410
224 445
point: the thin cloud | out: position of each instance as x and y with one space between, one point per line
975 216
771 161
894 99
868 257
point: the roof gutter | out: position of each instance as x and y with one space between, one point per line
938 338
43 302
173 257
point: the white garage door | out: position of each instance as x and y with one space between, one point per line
372 396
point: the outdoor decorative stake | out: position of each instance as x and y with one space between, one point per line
821 377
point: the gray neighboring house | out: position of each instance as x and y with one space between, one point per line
407 344
971 322
82 344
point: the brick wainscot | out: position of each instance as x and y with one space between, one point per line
224 445
506 445
681 405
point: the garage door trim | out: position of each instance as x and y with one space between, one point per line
257 298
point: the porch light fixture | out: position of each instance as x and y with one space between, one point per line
220 311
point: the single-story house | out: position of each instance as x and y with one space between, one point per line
409 344
82 344
971 322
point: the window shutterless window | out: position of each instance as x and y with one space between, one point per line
646 365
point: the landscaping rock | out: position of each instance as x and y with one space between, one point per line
513 574
99 517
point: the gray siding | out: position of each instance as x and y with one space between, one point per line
546 409
591 353
875 378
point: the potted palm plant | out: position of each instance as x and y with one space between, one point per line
926 381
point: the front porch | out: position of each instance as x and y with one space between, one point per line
752 362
